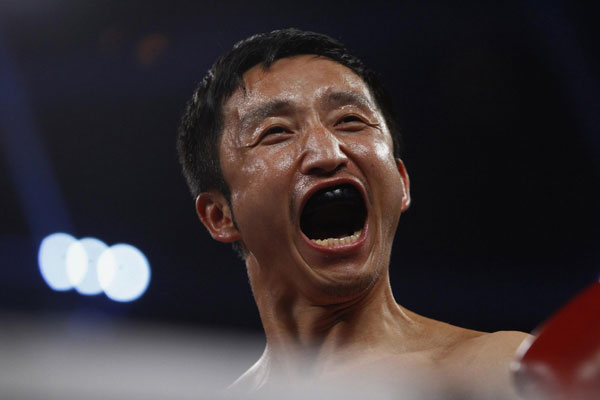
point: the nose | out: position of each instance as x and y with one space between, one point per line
323 154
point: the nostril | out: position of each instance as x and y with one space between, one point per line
325 171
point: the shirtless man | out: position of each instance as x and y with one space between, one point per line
291 150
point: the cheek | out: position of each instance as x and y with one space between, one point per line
261 196
392 184
261 182
281 158
255 167
268 168
376 159
375 153
261 164
383 151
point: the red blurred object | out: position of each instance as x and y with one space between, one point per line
563 360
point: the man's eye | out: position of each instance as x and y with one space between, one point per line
350 118
275 129
274 134
351 122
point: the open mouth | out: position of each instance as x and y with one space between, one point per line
334 216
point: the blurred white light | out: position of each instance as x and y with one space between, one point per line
51 258
82 262
90 266
76 263
123 272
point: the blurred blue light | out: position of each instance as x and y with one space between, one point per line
123 272
82 261
52 260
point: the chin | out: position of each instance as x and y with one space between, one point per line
346 285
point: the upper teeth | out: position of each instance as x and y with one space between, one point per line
333 242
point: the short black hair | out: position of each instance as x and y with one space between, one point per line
202 123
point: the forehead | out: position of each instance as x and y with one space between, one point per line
299 79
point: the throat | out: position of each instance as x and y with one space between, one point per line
329 348
317 333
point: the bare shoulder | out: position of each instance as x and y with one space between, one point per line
492 350
493 344
482 363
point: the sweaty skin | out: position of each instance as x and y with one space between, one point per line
305 123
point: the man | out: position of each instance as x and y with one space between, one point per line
292 152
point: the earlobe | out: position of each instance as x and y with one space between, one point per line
406 184
215 213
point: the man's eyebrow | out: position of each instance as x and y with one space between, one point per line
270 108
348 97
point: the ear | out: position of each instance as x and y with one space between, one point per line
214 212
406 184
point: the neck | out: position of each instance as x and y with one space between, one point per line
307 339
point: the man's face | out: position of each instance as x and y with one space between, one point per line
301 129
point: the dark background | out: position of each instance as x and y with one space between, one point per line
499 105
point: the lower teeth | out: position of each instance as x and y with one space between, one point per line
333 242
